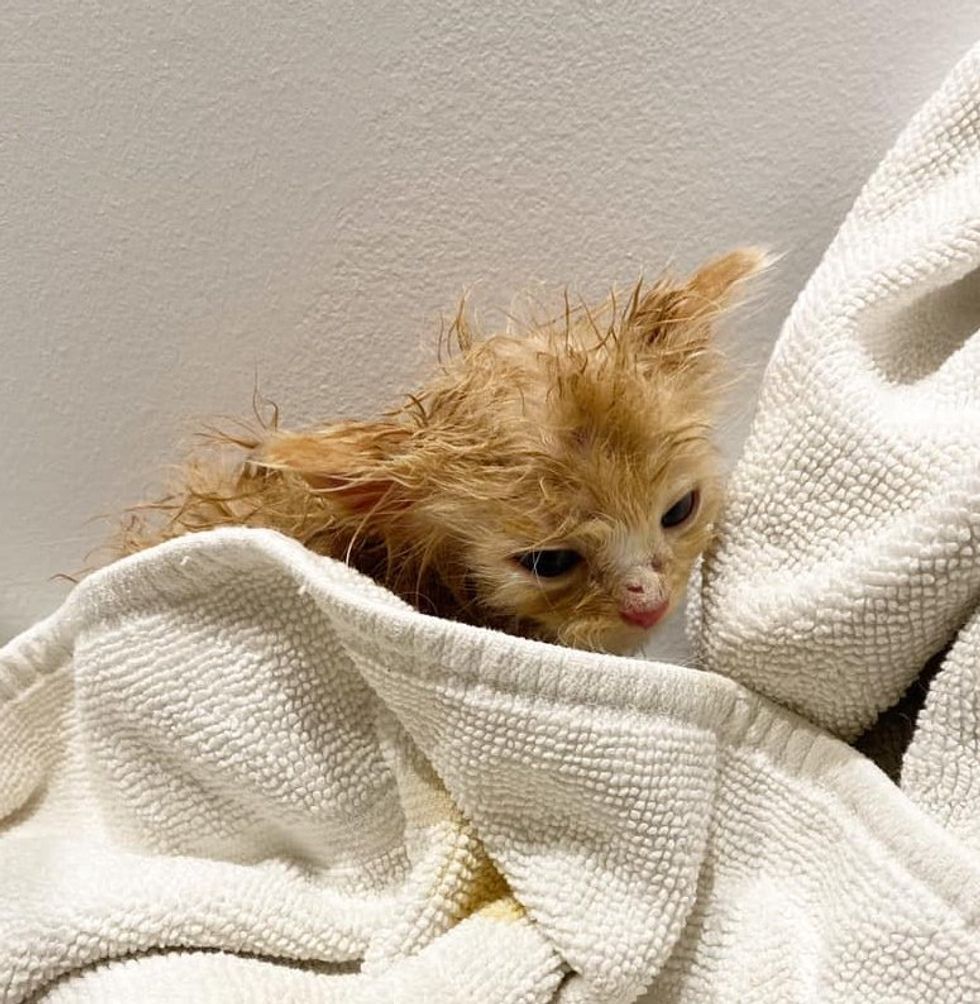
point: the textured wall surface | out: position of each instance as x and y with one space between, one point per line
195 194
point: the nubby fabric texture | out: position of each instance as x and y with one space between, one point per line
231 770
850 549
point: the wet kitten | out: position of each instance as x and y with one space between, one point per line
557 485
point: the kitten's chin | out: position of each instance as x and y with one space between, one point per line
598 634
628 642
617 639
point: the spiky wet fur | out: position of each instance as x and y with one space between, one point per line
578 432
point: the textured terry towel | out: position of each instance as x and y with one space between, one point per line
231 770
230 744
849 552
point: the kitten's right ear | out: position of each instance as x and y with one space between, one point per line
349 462
720 282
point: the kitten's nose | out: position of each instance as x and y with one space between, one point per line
644 617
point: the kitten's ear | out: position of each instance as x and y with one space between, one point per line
719 282
349 462
677 316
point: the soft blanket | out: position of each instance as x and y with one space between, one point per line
231 770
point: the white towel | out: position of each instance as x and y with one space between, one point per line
231 770
850 551
231 744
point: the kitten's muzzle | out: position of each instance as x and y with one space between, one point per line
645 617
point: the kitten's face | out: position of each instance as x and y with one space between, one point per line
561 483
600 567
586 490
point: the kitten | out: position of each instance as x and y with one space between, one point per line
557 485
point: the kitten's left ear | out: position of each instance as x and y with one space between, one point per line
349 463
677 317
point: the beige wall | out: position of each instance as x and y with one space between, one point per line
195 193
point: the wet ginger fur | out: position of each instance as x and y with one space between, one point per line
558 484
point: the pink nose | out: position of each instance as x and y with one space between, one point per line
644 617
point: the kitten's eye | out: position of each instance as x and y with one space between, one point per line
549 564
680 511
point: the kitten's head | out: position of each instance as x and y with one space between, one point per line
559 484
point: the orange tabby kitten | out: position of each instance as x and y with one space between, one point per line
557 485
